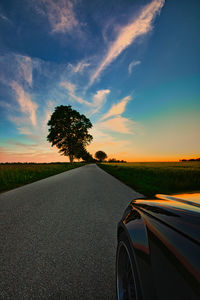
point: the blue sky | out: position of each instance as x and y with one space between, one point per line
132 67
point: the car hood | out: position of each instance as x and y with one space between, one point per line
181 212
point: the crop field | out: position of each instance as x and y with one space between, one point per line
13 175
150 178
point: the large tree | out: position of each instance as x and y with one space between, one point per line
100 155
69 131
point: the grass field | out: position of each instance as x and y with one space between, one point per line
17 174
152 178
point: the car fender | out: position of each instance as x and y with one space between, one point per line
133 224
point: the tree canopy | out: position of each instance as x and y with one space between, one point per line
69 131
85 155
100 155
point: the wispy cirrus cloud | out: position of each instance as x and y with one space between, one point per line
132 65
117 109
71 88
23 98
17 67
118 124
79 67
60 14
128 34
25 68
113 121
48 111
98 101
25 131
30 154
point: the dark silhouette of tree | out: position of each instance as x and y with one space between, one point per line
84 154
191 159
69 131
114 160
87 157
100 155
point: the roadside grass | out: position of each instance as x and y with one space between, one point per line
150 178
13 175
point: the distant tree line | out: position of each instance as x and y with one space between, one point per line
113 160
101 156
191 159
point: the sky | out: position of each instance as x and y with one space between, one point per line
131 66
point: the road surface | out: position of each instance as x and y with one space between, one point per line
58 236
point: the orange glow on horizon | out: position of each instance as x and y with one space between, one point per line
48 154
56 157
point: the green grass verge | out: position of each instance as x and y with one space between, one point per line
153 178
13 175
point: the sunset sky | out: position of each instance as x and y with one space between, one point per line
131 66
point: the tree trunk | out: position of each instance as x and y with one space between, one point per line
71 158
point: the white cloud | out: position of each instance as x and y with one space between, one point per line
27 106
25 68
104 140
118 124
113 121
133 64
127 34
48 112
16 67
19 121
99 98
24 131
79 67
117 109
70 87
61 15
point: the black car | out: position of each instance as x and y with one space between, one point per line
158 252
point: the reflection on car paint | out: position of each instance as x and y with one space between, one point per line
166 229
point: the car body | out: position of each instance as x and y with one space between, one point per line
158 253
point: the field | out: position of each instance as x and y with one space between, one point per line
152 178
17 174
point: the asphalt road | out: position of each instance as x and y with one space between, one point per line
58 236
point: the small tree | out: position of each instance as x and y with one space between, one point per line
69 131
100 155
